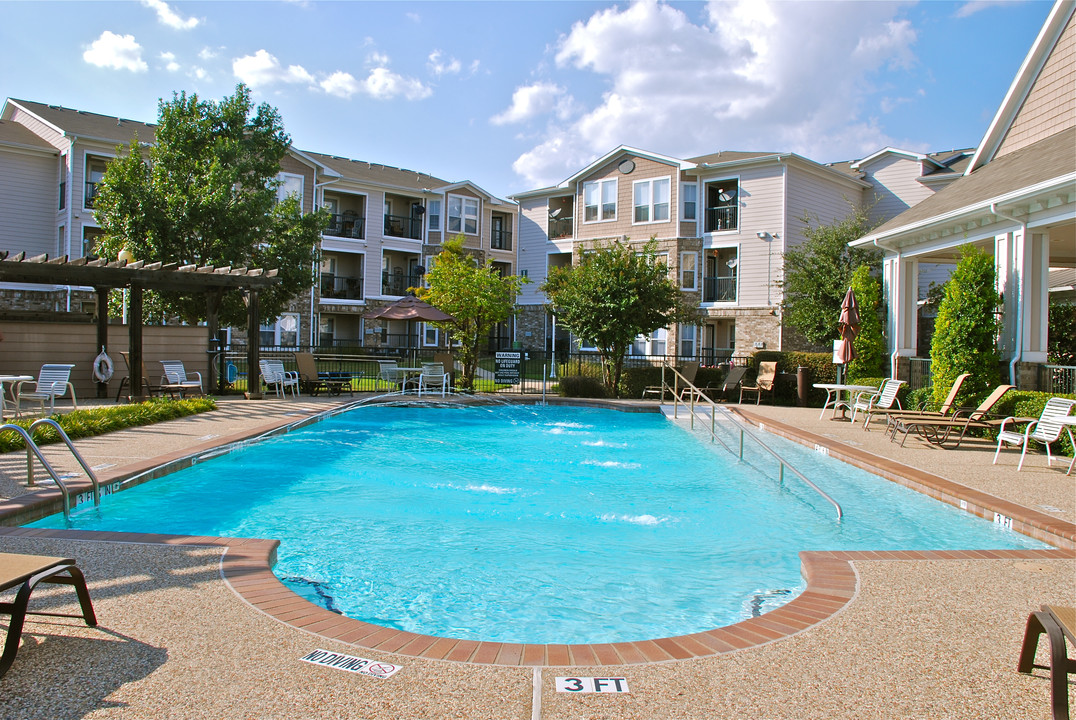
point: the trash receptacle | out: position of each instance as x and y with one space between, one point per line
803 382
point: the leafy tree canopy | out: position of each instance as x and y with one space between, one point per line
476 296
615 293
819 272
966 329
206 193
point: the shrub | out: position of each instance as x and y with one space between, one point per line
98 421
583 387
966 328
870 342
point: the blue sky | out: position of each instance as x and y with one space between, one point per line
519 95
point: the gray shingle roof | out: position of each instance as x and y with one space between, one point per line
87 124
363 171
1045 160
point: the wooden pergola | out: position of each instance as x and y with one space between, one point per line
104 276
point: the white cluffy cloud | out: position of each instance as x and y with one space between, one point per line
749 75
439 65
170 17
262 70
118 52
169 60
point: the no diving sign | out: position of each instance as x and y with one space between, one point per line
592 685
351 664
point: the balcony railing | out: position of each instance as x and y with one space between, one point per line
340 287
347 225
715 356
560 228
501 239
392 284
91 193
719 289
403 226
722 218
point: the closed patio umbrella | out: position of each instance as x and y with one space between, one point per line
848 327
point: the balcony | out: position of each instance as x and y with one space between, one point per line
91 193
403 226
339 287
561 228
722 218
393 284
347 225
719 289
500 239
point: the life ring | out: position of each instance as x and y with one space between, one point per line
102 367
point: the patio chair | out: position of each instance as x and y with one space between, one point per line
764 382
275 376
389 373
688 370
871 403
176 380
433 375
938 430
1046 430
943 410
26 572
53 381
1057 623
149 387
729 385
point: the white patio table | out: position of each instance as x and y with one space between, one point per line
12 404
834 399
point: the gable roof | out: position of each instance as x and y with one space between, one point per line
13 134
89 125
375 174
1056 22
624 149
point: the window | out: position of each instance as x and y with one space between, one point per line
60 244
689 193
433 215
290 184
282 333
90 236
687 341
722 205
462 215
689 275
599 200
653 344
429 335
326 330
651 200
95 171
719 283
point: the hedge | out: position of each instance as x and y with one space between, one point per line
100 420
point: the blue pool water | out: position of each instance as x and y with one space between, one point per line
535 524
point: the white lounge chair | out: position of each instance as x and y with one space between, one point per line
433 375
872 402
275 376
52 382
176 379
1047 429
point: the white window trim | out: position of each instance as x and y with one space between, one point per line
439 215
683 201
616 201
276 329
739 275
426 328
86 155
281 196
464 199
695 270
694 340
650 206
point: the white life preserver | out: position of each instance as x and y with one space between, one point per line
102 367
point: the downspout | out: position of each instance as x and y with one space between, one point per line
1018 346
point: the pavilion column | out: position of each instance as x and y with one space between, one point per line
134 330
901 280
102 331
254 380
1035 303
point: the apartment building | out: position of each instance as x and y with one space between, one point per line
386 226
722 223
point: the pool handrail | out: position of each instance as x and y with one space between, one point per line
70 446
31 447
696 393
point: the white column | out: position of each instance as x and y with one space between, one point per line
1007 262
1035 304
901 280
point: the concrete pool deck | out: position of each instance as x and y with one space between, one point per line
916 638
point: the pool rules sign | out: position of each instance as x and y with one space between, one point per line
350 663
506 367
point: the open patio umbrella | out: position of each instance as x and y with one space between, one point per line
409 308
848 327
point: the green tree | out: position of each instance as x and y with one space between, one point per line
1062 333
818 273
206 193
615 293
476 296
966 329
870 342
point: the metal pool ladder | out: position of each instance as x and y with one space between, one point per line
32 449
695 393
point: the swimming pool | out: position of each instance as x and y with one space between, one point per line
535 524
